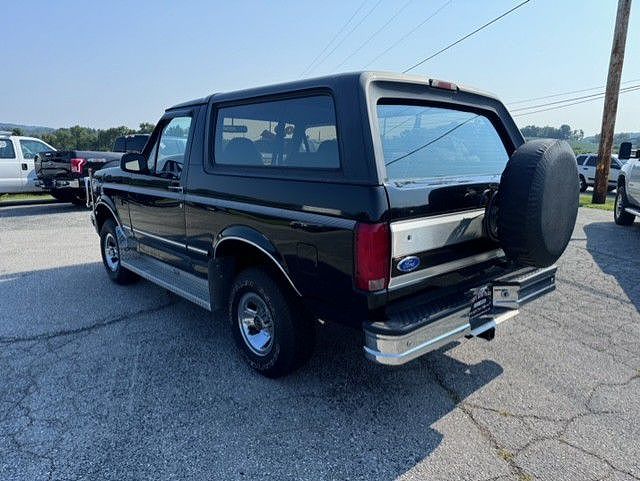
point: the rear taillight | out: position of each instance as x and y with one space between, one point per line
372 251
77 165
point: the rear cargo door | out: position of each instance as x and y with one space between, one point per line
442 166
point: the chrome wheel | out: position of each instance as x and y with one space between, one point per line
111 253
256 324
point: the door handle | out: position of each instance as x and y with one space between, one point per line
24 166
175 188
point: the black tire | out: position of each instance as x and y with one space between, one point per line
112 265
620 216
78 200
538 205
61 195
583 184
291 334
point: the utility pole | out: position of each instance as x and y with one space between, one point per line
611 102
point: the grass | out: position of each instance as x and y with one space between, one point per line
585 201
24 197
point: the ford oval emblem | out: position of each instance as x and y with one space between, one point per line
408 264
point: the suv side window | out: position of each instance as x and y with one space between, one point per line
167 156
592 161
291 133
6 149
31 148
580 159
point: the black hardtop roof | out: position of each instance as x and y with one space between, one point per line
333 82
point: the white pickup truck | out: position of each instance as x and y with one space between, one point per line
627 204
17 170
587 171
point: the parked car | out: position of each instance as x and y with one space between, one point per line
627 203
17 170
587 171
63 172
389 221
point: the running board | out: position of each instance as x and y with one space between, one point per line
182 283
632 211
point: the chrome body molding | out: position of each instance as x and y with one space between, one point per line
419 275
417 235
275 261
632 211
158 238
100 202
175 280
202 252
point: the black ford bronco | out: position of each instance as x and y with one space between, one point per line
408 208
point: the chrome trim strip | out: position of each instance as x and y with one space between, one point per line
417 276
157 237
198 251
162 283
418 235
632 211
215 249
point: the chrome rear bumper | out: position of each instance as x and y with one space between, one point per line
438 327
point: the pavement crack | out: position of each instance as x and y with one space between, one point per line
98 325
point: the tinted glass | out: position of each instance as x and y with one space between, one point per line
136 143
6 149
298 133
119 145
580 159
420 142
171 147
31 148
592 161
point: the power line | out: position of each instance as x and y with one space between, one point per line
348 34
599 94
391 19
560 94
393 45
334 37
636 88
465 37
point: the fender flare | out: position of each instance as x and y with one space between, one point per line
256 239
105 202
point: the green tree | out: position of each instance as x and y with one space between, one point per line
145 128
17 131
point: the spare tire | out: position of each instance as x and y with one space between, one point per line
538 202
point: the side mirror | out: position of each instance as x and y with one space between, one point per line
134 162
624 153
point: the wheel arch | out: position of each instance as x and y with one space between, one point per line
236 248
105 210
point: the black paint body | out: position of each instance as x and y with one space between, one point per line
304 219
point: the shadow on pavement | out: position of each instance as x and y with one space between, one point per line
38 209
616 250
162 393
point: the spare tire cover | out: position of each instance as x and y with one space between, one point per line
538 202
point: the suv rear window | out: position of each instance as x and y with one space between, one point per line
296 133
423 142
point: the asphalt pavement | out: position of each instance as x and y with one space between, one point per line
99 381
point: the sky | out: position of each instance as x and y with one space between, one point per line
103 64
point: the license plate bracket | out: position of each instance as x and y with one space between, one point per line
481 304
